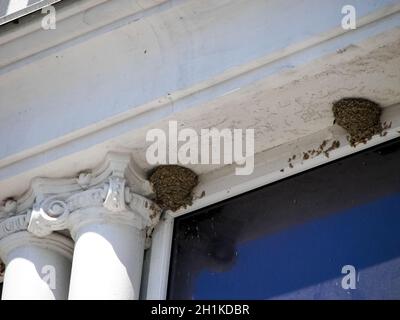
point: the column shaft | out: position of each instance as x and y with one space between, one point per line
107 262
34 270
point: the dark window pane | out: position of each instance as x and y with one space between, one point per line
292 238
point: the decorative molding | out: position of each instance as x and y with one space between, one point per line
90 198
50 216
90 19
115 199
84 179
25 9
13 224
114 192
257 67
10 221
104 195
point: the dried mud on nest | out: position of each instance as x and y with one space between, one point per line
359 117
173 186
323 148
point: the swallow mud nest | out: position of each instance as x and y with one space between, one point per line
173 186
359 117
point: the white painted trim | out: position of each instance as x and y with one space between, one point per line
72 27
159 259
223 184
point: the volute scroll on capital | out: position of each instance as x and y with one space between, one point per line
10 220
116 191
111 200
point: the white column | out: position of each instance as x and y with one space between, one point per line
107 262
109 245
36 268
108 223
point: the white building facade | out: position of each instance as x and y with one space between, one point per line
77 219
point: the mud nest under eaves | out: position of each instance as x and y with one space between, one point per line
359 117
173 186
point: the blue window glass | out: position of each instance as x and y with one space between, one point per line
329 233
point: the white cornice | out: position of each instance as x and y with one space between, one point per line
272 165
27 9
204 91
179 78
31 23
77 21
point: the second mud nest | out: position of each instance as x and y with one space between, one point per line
173 186
360 117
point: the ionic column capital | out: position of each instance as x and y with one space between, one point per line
110 202
13 233
11 221
92 198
